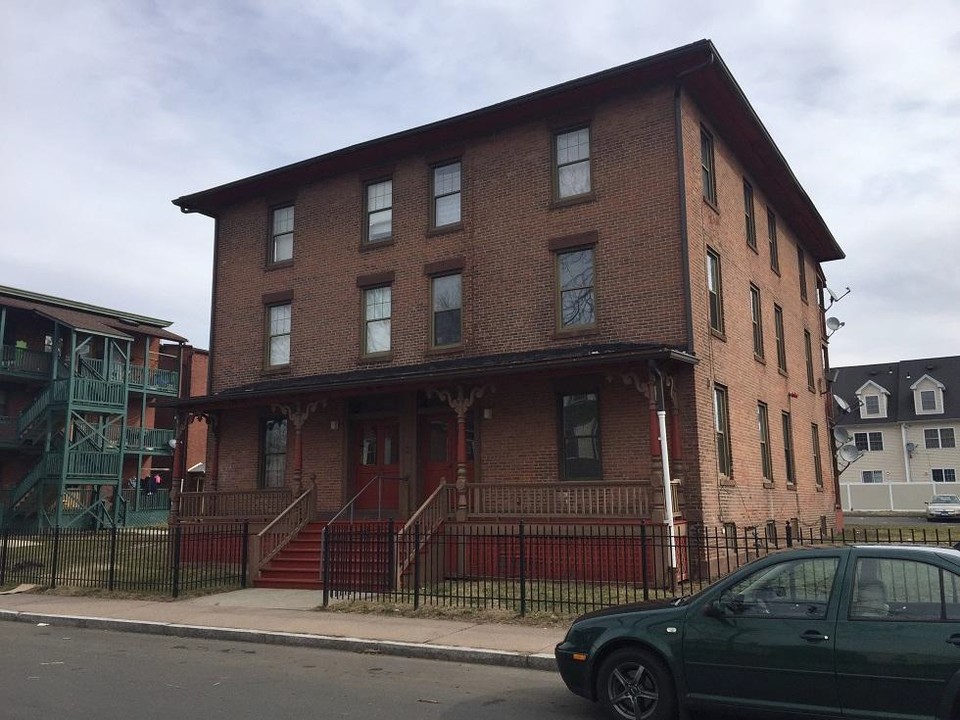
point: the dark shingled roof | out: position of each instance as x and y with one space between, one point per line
896 378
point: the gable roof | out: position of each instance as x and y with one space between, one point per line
698 67
899 379
86 318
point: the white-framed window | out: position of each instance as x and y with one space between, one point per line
447 300
927 396
446 194
869 441
378 207
281 234
871 476
377 315
873 400
575 288
278 334
944 474
572 163
939 438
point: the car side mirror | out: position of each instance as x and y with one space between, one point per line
714 609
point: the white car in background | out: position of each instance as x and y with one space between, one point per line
944 507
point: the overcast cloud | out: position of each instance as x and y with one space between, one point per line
110 109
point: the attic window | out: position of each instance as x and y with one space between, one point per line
927 396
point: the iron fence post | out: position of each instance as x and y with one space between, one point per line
643 562
3 556
112 567
56 557
789 534
523 573
177 536
244 550
416 566
325 565
391 556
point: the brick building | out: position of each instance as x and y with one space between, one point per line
507 302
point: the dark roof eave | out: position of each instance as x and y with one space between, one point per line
415 374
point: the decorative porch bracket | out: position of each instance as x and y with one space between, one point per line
461 403
297 415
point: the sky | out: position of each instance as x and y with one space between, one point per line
109 109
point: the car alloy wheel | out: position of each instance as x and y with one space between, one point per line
634 685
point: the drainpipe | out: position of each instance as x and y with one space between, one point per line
906 453
665 460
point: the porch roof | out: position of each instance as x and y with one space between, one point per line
439 371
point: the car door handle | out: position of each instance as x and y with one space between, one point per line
814 636
954 639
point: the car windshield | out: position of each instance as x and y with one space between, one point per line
946 500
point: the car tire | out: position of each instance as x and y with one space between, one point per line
635 685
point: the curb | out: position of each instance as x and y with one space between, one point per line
423 651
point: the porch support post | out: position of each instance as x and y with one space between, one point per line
665 460
461 404
213 422
298 416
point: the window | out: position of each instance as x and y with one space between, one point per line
580 428
446 194
928 400
376 320
379 211
721 419
871 476
715 289
869 441
756 311
772 235
281 234
763 425
937 438
871 405
575 286
447 301
899 590
817 459
781 343
273 452
802 270
944 474
573 163
788 456
790 589
808 352
707 165
278 334
748 215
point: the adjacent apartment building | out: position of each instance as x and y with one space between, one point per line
79 385
553 305
904 419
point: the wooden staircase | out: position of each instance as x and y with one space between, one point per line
361 556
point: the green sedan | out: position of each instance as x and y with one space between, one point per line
869 631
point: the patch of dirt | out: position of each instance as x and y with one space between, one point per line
536 619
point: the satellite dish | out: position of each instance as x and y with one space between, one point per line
834 324
833 296
911 447
172 443
842 404
850 453
841 435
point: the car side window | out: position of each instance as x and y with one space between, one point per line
898 590
793 589
951 594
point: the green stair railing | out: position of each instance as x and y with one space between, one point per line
39 471
55 392
24 362
102 393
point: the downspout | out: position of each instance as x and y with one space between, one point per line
906 453
682 187
665 461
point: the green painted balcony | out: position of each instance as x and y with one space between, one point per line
155 441
152 380
20 362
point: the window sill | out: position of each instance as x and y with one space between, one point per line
776 271
444 350
727 481
711 205
366 246
753 247
375 359
445 229
718 335
576 332
782 372
792 486
768 484
278 265
272 370
760 359
558 203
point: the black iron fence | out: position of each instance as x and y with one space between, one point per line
151 560
558 569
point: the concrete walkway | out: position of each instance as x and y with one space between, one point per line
290 617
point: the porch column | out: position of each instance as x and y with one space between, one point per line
213 423
297 416
461 404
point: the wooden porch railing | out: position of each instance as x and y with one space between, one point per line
232 504
275 536
557 500
429 516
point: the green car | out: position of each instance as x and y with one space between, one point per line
867 631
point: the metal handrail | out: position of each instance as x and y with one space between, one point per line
265 550
350 503
434 510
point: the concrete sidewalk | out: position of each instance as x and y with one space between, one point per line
289 617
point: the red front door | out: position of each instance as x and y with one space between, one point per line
377 449
438 450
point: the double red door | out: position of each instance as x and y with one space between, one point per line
378 455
